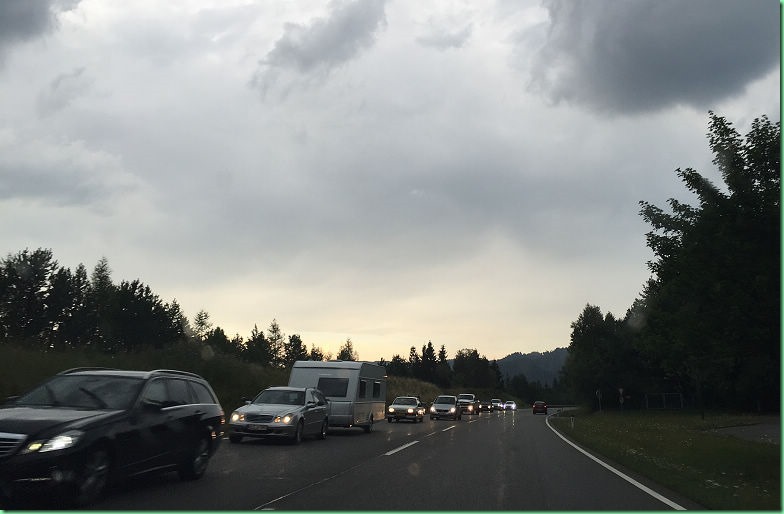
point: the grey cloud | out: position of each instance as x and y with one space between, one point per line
59 173
23 20
644 55
62 91
325 43
444 39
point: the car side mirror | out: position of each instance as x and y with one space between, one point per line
311 404
11 399
246 400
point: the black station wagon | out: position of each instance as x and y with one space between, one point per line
86 427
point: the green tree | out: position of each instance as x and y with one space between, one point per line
317 354
25 286
712 315
398 367
346 352
429 363
471 369
202 326
257 349
276 340
414 363
295 350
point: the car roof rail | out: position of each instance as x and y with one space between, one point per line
177 372
86 368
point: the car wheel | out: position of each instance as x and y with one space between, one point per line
196 462
235 438
323 433
297 437
367 428
93 478
389 420
432 418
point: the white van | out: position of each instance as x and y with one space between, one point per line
356 390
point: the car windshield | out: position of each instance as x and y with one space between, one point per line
404 401
465 396
445 399
84 392
280 397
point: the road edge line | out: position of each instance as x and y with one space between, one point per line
624 476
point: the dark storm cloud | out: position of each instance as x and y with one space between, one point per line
324 43
643 55
23 20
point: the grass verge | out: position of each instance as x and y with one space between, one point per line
682 452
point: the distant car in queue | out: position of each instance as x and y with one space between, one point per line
445 406
406 407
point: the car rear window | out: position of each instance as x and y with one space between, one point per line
203 394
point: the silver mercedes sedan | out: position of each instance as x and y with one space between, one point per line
281 412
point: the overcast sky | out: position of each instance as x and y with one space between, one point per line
393 172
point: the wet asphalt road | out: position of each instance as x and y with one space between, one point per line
495 461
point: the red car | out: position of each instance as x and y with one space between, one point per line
539 406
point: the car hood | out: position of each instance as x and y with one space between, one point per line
34 420
269 408
443 405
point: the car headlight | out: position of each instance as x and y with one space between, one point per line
391 410
433 408
284 419
452 409
470 407
237 417
58 442
410 411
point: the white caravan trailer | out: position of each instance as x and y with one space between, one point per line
356 390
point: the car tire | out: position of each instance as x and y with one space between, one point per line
236 439
324 426
93 478
432 418
389 420
367 428
297 437
196 461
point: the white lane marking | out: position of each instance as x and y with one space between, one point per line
629 479
449 428
412 443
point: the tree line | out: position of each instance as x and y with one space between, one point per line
52 308
707 322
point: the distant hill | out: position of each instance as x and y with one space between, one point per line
536 366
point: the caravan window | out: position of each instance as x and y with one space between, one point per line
336 387
376 389
363 388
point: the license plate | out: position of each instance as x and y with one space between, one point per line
255 427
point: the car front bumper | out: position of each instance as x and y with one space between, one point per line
263 429
33 474
397 416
